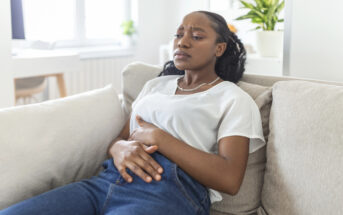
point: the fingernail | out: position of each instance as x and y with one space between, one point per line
160 170
148 178
130 180
158 177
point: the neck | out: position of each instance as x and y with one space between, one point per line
193 78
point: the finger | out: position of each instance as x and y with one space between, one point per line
150 149
138 119
147 167
139 172
131 135
152 162
124 174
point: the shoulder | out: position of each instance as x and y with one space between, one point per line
233 97
232 91
160 82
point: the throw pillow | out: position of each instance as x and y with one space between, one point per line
47 145
305 150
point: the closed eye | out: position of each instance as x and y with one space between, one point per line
197 37
194 37
178 35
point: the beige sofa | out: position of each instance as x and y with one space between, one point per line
298 172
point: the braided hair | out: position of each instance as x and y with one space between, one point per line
229 66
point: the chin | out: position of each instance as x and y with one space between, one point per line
180 65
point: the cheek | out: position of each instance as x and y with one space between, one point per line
205 53
174 44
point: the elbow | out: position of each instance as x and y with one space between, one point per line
233 188
235 191
232 191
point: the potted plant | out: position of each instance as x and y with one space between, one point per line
265 13
128 31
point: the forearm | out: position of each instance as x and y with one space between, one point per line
211 170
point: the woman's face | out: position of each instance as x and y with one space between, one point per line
195 43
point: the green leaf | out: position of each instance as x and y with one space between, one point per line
280 7
259 13
248 16
257 20
281 20
270 15
253 8
248 5
259 4
267 3
252 12
254 29
128 27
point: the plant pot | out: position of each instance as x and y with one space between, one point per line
269 43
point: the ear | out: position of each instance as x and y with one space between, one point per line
220 49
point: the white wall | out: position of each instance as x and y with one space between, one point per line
6 81
177 9
158 20
151 29
314 39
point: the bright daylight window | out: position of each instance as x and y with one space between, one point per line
72 23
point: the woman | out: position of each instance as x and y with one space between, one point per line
189 135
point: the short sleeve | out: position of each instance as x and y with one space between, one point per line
242 118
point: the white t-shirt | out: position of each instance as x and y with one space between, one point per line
199 119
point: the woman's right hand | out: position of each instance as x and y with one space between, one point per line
135 156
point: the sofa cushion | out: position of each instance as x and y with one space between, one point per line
305 150
248 199
46 145
134 76
263 97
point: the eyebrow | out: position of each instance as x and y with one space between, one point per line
193 29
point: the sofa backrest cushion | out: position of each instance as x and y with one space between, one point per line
50 144
249 197
134 76
305 150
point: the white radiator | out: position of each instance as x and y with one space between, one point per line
94 73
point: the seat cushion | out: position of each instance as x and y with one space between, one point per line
50 144
305 150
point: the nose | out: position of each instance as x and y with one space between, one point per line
183 42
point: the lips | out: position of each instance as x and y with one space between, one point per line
181 55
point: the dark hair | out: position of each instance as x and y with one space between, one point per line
229 66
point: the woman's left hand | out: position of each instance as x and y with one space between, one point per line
146 133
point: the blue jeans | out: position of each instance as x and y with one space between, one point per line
108 193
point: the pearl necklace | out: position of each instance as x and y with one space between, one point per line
195 88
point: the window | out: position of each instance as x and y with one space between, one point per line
72 23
